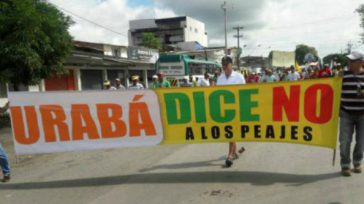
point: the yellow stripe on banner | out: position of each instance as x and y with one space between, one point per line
302 112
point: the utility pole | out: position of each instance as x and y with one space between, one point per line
350 45
238 36
223 7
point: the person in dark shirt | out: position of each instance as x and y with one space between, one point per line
352 114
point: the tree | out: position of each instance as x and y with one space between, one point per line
34 41
337 58
302 51
360 10
151 41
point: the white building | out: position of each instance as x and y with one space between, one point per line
169 30
91 63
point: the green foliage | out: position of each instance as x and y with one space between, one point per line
151 41
360 10
302 50
338 58
34 41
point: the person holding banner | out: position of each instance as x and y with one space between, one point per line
352 114
229 76
162 82
118 85
155 82
4 161
268 77
204 81
293 75
135 83
107 86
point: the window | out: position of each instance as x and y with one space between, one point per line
196 31
116 53
113 74
200 68
163 68
91 79
176 67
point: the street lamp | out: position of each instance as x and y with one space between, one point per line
223 7
255 49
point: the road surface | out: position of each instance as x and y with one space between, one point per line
265 173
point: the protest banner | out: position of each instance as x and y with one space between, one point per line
67 121
303 112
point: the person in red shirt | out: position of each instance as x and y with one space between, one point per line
252 78
325 71
315 73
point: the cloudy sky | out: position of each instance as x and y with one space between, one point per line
328 25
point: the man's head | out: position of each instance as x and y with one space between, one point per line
135 79
292 68
356 59
155 78
190 78
268 71
107 84
160 76
206 75
117 81
227 65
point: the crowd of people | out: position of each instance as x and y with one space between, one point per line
159 81
272 75
314 71
351 108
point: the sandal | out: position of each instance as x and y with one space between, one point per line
228 163
241 150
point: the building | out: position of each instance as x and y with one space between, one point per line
214 54
91 63
281 58
254 63
170 31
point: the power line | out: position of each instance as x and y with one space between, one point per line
92 22
317 22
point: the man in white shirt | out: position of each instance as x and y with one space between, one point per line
205 81
229 76
107 86
118 85
293 75
135 83
268 77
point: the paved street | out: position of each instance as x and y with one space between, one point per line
266 173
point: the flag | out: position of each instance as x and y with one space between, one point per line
297 67
332 64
